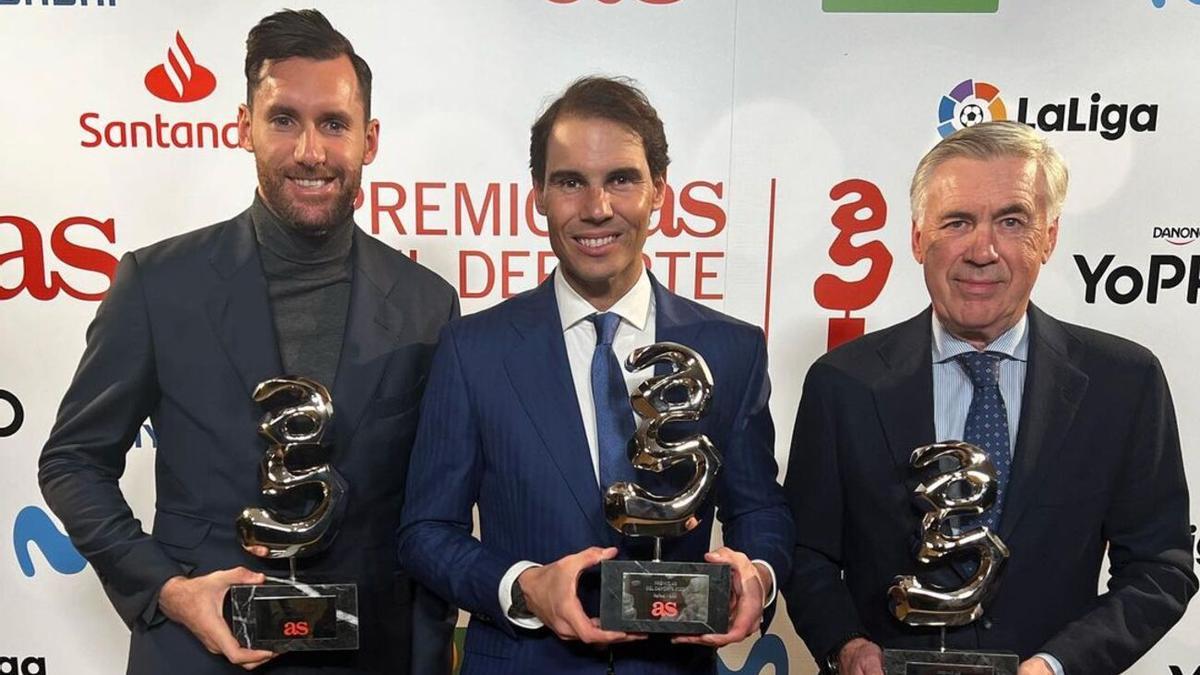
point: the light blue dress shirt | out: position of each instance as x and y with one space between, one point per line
952 390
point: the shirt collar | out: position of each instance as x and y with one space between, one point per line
1013 343
633 307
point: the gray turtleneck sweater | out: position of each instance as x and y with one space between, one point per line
308 283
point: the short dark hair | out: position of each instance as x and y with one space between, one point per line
608 98
305 33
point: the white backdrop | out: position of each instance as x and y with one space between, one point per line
770 105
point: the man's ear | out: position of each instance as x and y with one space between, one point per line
245 140
918 254
539 196
372 138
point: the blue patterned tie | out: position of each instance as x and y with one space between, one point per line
614 415
987 423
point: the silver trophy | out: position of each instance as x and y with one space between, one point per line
966 488
306 498
657 596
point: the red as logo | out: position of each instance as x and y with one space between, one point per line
295 628
180 79
32 256
662 609
835 293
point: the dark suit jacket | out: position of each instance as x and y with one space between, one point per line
183 337
1097 463
501 428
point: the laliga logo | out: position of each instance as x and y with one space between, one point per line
832 292
180 79
971 102
968 104
33 526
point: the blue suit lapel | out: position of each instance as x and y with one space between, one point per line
540 373
675 321
239 310
904 397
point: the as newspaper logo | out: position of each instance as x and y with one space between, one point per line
926 6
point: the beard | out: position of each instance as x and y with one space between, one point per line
309 220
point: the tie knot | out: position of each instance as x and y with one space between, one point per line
606 327
982 367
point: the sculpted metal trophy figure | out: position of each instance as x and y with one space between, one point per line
967 489
297 479
656 596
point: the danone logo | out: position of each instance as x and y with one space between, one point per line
929 6
971 102
180 79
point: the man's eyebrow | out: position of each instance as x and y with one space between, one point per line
563 174
956 215
625 171
1013 208
280 109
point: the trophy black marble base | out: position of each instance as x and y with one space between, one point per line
682 598
949 662
291 616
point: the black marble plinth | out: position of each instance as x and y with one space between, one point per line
290 616
684 598
949 662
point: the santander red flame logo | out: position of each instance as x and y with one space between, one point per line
832 292
180 79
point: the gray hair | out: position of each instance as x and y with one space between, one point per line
991 140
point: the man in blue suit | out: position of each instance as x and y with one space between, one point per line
515 423
190 327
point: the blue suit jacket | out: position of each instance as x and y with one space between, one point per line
183 337
501 428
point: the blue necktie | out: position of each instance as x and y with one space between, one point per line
614 414
987 424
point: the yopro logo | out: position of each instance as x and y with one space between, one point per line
180 79
971 102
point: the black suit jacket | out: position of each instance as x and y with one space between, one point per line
1097 463
183 337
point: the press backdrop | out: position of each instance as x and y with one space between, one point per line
794 127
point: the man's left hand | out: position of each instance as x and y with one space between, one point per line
749 583
1035 666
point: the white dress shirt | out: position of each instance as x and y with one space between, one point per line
637 329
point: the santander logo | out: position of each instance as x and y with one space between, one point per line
180 79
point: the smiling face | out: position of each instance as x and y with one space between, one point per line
597 196
983 236
310 139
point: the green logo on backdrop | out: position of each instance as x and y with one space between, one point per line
949 6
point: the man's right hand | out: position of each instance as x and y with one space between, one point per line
550 594
196 604
860 656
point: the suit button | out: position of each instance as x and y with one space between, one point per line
986 623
